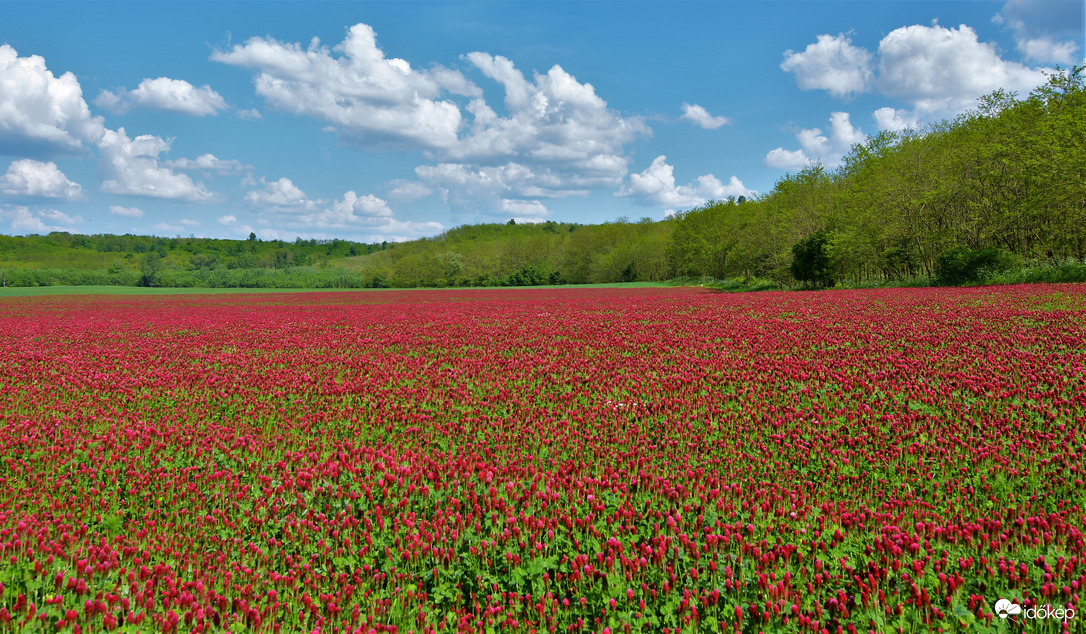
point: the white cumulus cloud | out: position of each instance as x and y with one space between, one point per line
1049 50
509 180
938 72
1046 31
557 138
281 195
831 63
209 163
408 191
482 193
781 158
131 167
551 126
552 119
942 71
40 112
370 99
282 207
525 210
27 177
128 212
163 93
352 212
816 146
701 117
656 186
22 220
894 119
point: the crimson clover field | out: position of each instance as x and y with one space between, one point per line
588 460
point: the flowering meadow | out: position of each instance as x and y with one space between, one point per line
568 460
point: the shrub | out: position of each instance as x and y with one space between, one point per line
811 262
961 265
527 276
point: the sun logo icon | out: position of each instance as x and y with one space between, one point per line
1006 607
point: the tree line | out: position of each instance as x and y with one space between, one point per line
997 190
525 255
62 258
997 194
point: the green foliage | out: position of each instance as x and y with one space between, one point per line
525 255
72 259
962 264
23 277
740 285
527 276
151 269
998 194
1041 272
811 262
1005 183
703 239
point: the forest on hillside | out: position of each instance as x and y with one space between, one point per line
997 194
1002 188
62 258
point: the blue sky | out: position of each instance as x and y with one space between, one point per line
395 120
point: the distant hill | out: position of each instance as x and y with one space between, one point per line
130 260
525 255
477 255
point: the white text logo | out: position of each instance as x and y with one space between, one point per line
1005 608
